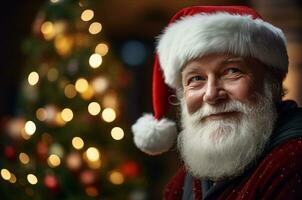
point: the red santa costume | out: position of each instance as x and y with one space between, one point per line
238 30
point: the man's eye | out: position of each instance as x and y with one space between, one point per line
195 78
233 71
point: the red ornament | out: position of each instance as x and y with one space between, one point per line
130 169
10 152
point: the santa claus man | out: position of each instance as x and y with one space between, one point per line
237 139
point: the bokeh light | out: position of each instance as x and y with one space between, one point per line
67 114
116 178
33 78
117 133
108 115
32 179
6 175
41 114
53 160
87 15
95 28
102 49
95 60
94 108
30 127
93 154
81 85
24 158
77 143
70 91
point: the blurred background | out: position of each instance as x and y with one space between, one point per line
75 75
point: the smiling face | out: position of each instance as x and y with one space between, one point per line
216 78
228 114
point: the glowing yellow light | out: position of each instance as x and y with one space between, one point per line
91 191
95 60
59 120
117 133
88 94
81 85
87 15
63 44
13 178
33 78
95 28
52 74
54 1
6 175
24 158
94 164
108 115
116 177
93 154
41 114
94 108
30 127
67 114
47 29
32 179
77 143
24 135
70 91
53 160
102 49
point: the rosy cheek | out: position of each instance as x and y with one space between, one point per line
193 99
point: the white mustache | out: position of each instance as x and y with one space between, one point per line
207 110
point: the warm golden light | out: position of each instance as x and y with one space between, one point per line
41 114
63 44
30 127
70 91
116 177
93 154
87 15
88 94
81 85
47 29
32 179
13 178
94 164
117 133
67 114
94 108
110 101
108 115
52 74
24 158
102 49
95 60
53 160
95 28
33 78
77 143
6 175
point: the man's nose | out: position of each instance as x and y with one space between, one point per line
214 92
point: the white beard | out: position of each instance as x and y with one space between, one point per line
219 149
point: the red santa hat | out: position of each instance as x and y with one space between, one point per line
192 33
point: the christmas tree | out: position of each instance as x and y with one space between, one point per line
69 138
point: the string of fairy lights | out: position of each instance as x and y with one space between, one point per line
51 114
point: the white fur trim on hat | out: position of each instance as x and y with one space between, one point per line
194 36
154 136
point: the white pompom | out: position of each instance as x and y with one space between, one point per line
154 136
